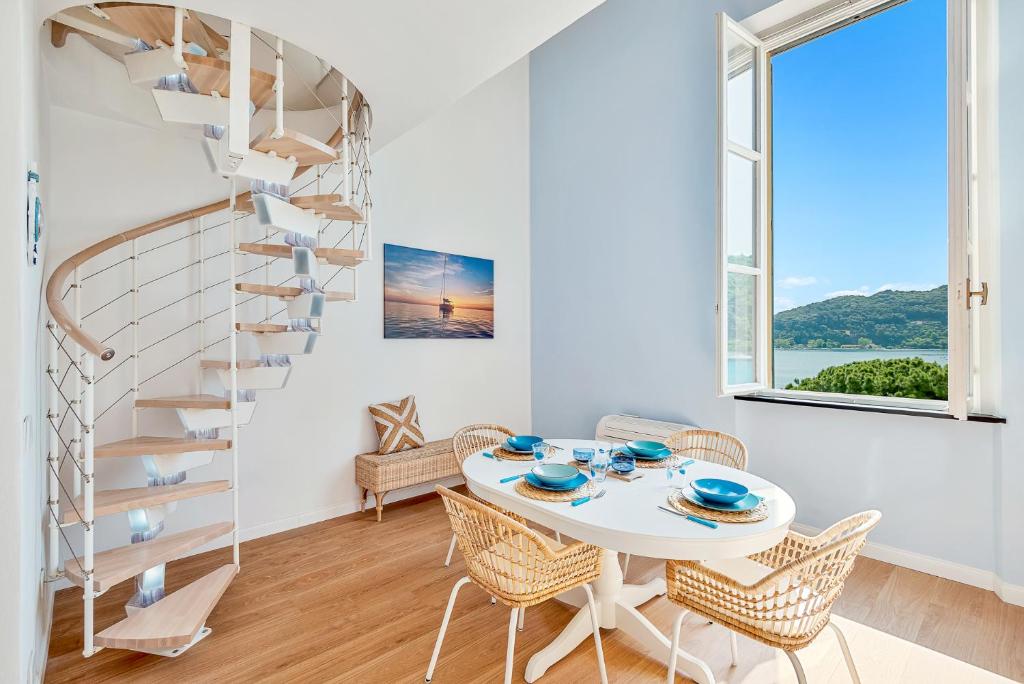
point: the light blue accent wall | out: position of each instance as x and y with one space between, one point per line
623 240
1009 455
622 119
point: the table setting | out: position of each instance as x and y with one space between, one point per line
666 505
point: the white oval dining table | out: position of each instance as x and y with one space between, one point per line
627 520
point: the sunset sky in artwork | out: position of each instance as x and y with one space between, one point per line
413 276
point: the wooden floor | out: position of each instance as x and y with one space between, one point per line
358 601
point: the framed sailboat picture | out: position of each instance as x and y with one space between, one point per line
431 294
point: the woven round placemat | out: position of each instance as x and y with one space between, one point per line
679 502
672 461
531 492
507 455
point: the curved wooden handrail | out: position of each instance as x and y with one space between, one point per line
55 284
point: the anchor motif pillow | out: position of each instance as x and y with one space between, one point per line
398 425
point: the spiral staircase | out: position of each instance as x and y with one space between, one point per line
193 315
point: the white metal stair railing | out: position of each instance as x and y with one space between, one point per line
162 272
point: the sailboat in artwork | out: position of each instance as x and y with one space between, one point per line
446 307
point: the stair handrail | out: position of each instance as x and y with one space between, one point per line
54 299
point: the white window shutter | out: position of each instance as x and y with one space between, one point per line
742 290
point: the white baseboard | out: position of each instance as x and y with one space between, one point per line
965 574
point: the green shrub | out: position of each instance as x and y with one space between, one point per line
907 377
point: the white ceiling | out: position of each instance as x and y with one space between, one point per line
410 58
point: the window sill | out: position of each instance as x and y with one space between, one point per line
869 408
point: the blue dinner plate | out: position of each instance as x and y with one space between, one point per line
507 446
745 504
577 481
655 456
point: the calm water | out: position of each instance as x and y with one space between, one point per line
790 364
424 320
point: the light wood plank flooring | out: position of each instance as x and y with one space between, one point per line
353 600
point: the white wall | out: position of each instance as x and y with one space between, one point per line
23 598
458 182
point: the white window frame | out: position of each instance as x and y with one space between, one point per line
973 200
756 155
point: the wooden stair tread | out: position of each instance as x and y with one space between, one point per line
340 257
241 364
281 291
332 255
110 501
209 74
305 149
173 621
328 205
154 23
264 249
116 565
186 401
261 327
145 446
269 290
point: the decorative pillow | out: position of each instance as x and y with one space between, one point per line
398 425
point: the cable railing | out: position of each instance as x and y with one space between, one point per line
145 307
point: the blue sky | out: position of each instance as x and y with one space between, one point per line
859 135
413 276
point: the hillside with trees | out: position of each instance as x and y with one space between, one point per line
889 319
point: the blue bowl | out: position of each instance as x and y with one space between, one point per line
583 455
524 442
555 473
645 448
719 491
623 463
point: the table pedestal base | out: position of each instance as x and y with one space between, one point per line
616 609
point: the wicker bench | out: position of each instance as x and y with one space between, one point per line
383 473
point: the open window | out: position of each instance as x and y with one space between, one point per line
907 328
742 178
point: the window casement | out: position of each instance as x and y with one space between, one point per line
743 306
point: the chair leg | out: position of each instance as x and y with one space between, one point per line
378 500
597 633
444 626
522 619
734 648
451 550
625 566
846 652
510 650
674 652
558 536
362 503
801 678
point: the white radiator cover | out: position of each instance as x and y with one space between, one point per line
623 428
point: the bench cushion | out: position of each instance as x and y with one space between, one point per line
384 472
398 425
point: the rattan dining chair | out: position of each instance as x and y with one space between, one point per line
705 445
517 565
466 442
711 446
781 597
